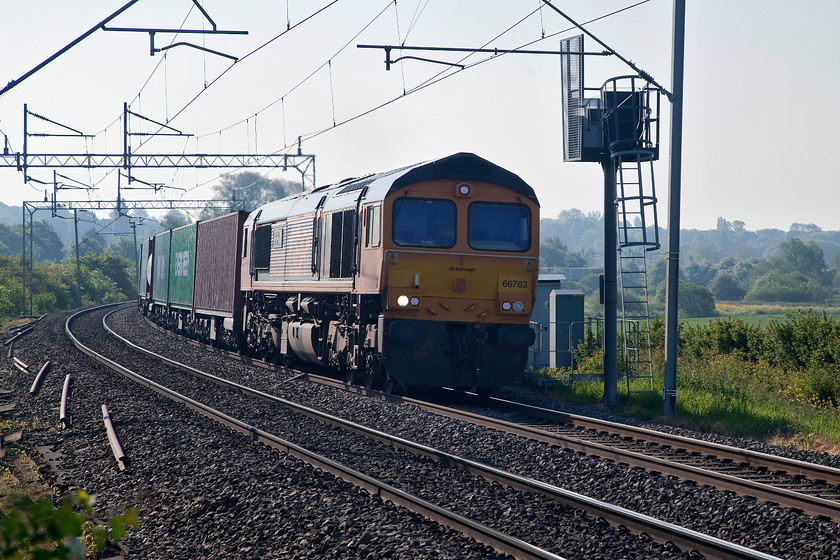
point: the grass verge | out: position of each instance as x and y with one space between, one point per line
726 396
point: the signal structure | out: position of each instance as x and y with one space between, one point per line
620 130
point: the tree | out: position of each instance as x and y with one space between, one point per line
726 287
787 287
694 300
804 228
805 258
107 277
124 247
555 253
46 244
173 219
89 242
251 188
700 273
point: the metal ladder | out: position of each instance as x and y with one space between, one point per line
638 233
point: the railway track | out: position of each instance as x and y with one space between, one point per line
665 532
498 540
807 487
801 486
202 491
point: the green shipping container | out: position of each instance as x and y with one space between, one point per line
182 267
160 268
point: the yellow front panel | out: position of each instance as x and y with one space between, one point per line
449 289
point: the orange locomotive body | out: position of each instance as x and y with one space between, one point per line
422 276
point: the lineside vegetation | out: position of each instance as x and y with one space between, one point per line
777 380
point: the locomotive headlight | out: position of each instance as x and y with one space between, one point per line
506 306
402 301
464 189
518 306
414 301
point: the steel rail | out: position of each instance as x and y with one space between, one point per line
113 440
36 384
21 365
755 458
21 332
808 504
811 505
499 541
662 531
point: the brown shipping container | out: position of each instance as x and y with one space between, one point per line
217 261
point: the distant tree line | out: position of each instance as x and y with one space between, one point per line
728 263
107 259
251 188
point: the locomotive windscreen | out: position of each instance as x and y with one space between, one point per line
499 227
424 222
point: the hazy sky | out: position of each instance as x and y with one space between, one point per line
761 91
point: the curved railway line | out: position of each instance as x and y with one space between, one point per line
807 487
666 532
499 541
505 483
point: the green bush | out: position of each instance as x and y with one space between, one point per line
788 287
694 300
719 337
804 340
38 530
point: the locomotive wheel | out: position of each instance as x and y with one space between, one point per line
484 393
371 381
351 376
371 375
394 387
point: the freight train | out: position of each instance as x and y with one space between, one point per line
419 277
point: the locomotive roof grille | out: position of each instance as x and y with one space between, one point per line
462 166
458 167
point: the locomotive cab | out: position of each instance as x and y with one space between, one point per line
461 261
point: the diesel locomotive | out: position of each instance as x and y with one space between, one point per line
419 277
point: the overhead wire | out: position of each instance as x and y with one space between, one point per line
311 74
248 55
137 97
426 83
452 71
440 76
399 42
289 28
282 98
418 11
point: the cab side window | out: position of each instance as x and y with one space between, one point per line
373 226
261 254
